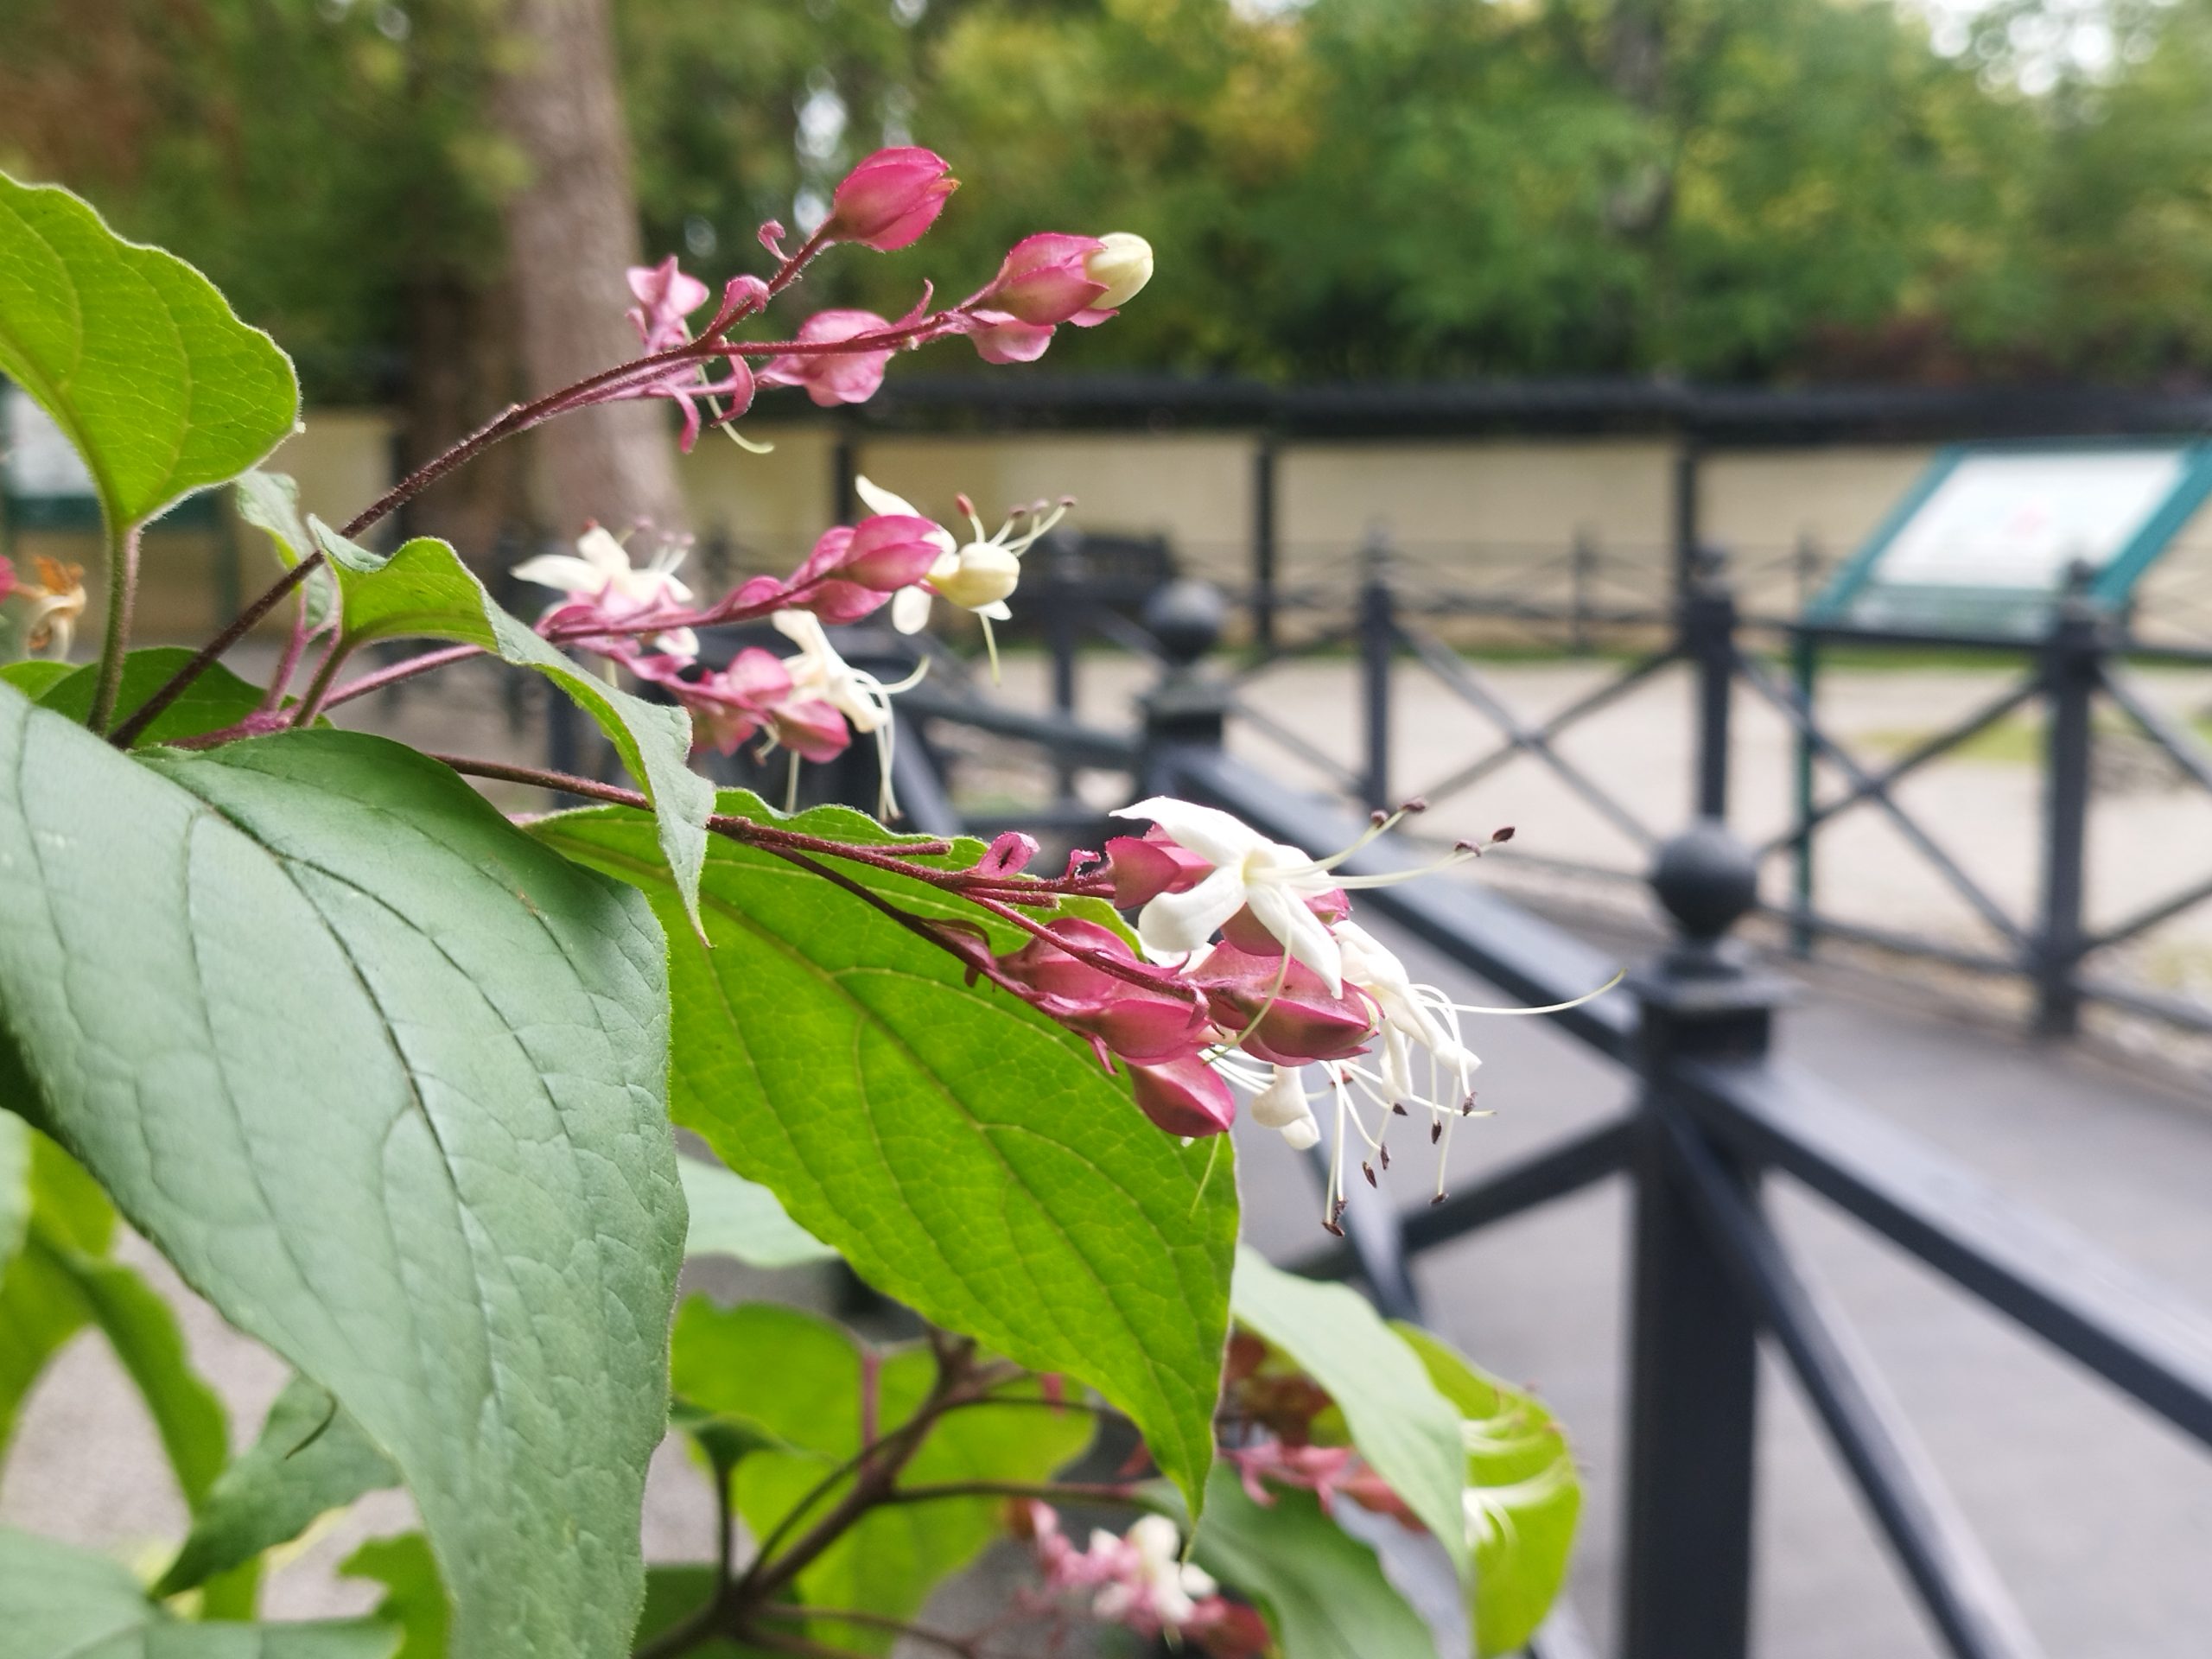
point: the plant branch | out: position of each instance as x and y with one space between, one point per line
122 595
240 626
401 670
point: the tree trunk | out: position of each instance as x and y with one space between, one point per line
461 371
571 229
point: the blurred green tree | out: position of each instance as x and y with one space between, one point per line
1737 189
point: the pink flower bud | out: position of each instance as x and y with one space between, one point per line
7 577
1000 338
1142 1026
1042 280
1043 966
1302 1023
1008 855
889 200
892 550
1185 1096
1144 868
811 729
832 378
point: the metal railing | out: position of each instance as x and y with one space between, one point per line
1714 1123
2087 658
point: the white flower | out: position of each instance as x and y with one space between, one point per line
1172 1586
1273 880
1282 1105
1410 1012
819 672
601 570
979 576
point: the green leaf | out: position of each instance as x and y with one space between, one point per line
135 355
1405 1429
311 1458
806 1393
216 700
1520 1478
1322 1589
966 1156
40 1306
35 676
414 1600
731 1215
61 1603
384 1079
424 591
270 502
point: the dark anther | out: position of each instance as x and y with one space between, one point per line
1333 1228
1367 1170
1505 834
1435 1132
1383 1152
1398 1107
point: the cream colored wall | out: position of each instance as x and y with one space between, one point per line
1435 499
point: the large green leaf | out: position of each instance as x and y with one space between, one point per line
312 1457
384 1080
1523 1497
731 1215
1322 1589
424 591
964 1154
15 1184
798 1381
216 699
61 1603
135 355
1405 1429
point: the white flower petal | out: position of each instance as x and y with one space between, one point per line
1176 922
997 611
564 571
910 609
599 549
1213 835
882 500
1303 933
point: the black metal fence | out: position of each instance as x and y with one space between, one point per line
1380 625
1714 1123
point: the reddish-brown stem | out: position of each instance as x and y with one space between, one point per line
241 625
398 672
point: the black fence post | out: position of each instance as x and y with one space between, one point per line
1688 461
1378 644
1187 708
1264 548
1693 1352
1063 599
1581 569
844 468
1708 639
2071 654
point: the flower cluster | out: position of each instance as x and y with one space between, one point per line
644 617
1251 970
1139 1580
838 356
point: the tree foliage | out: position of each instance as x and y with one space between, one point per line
1726 188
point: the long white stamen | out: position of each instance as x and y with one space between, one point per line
1548 1007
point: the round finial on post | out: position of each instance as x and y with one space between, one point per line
1708 880
1187 617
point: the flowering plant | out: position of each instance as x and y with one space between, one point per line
390 1077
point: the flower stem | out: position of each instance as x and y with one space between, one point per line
240 626
122 591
